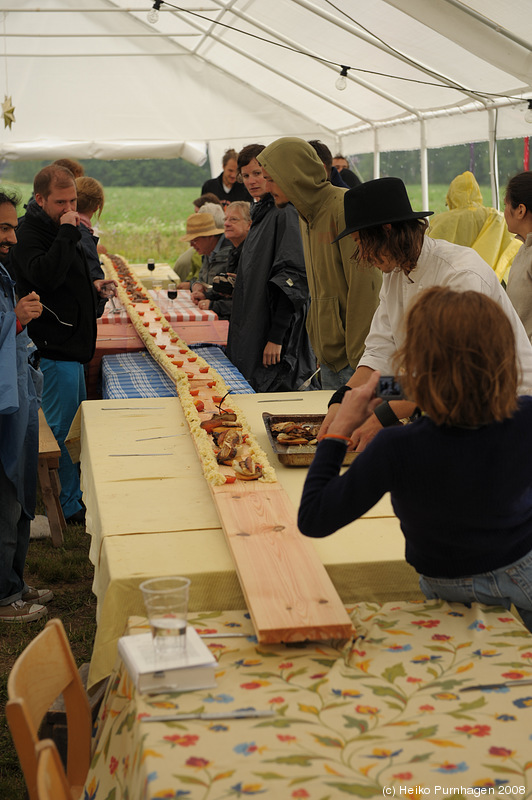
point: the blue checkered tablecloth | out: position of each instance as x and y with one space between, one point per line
130 375
217 359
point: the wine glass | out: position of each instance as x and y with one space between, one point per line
171 291
157 287
151 264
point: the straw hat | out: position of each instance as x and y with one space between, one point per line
200 225
377 202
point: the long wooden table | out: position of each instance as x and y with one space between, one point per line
152 514
384 715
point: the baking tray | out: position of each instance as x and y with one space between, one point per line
297 455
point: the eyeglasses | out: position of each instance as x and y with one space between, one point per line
234 219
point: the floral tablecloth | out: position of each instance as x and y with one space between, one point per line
381 715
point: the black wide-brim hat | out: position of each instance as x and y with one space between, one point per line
377 202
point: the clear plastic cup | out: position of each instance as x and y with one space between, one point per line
166 602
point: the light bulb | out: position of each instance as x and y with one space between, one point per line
153 14
528 112
341 83
341 80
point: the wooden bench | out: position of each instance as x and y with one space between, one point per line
47 470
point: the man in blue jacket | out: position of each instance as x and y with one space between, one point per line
20 386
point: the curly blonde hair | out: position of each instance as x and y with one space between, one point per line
458 362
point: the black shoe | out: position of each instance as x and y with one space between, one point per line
78 518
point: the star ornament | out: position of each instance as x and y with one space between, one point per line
8 112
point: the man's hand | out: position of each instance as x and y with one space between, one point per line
28 308
106 287
69 218
359 378
198 295
204 304
356 411
271 354
363 435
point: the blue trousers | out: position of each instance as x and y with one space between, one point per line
64 391
14 541
334 380
501 587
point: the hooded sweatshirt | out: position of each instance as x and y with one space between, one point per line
343 295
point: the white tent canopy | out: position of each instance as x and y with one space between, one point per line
94 79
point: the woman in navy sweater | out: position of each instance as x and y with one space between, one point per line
460 476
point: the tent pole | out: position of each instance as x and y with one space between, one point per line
424 165
494 162
376 154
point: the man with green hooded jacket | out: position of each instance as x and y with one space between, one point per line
343 294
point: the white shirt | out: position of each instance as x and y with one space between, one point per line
440 264
520 284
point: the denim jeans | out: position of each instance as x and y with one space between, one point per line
334 380
14 541
501 587
64 390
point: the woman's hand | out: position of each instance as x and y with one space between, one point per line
106 287
356 407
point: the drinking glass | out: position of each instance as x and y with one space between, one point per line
171 291
166 602
157 287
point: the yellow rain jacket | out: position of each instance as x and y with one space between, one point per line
343 295
470 223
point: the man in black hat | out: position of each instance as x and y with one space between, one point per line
390 235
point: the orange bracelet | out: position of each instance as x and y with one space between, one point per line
346 439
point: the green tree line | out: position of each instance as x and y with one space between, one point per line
126 172
444 164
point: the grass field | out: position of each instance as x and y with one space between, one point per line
141 223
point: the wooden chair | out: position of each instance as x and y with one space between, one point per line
52 783
43 671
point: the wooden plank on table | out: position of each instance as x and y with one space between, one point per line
289 594
212 331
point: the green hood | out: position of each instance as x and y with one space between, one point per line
297 169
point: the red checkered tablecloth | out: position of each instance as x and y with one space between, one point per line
182 309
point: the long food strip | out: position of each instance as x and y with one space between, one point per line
289 595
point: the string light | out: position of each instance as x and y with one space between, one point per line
153 14
341 81
528 112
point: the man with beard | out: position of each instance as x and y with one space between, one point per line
49 259
20 387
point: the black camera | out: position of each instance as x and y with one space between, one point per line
389 388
